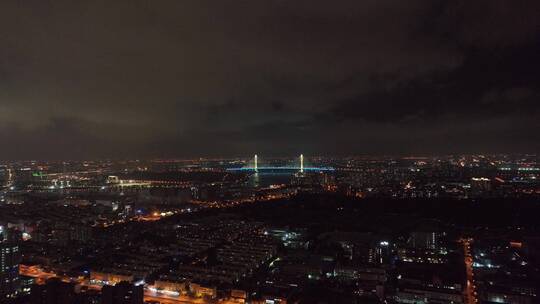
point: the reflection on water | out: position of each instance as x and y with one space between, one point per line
265 179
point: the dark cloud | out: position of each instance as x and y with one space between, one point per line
146 78
487 84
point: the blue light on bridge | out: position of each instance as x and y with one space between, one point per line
301 168
259 168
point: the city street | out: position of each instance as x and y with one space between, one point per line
470 289
42 276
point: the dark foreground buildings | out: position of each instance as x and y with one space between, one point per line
10 257
122 293
411 231
55 291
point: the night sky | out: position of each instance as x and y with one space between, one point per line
180 78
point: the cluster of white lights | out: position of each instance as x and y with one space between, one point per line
163 291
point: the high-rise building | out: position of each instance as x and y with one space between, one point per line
122 293
26 284
3 233
80 233
9 270
480 185
425 239
53 292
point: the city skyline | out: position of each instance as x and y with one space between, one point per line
269 152
303 229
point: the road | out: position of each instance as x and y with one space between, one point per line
171 300
42 276
470 289
165 299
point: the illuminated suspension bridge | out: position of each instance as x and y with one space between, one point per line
301 168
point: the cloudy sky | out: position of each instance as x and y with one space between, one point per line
181 78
